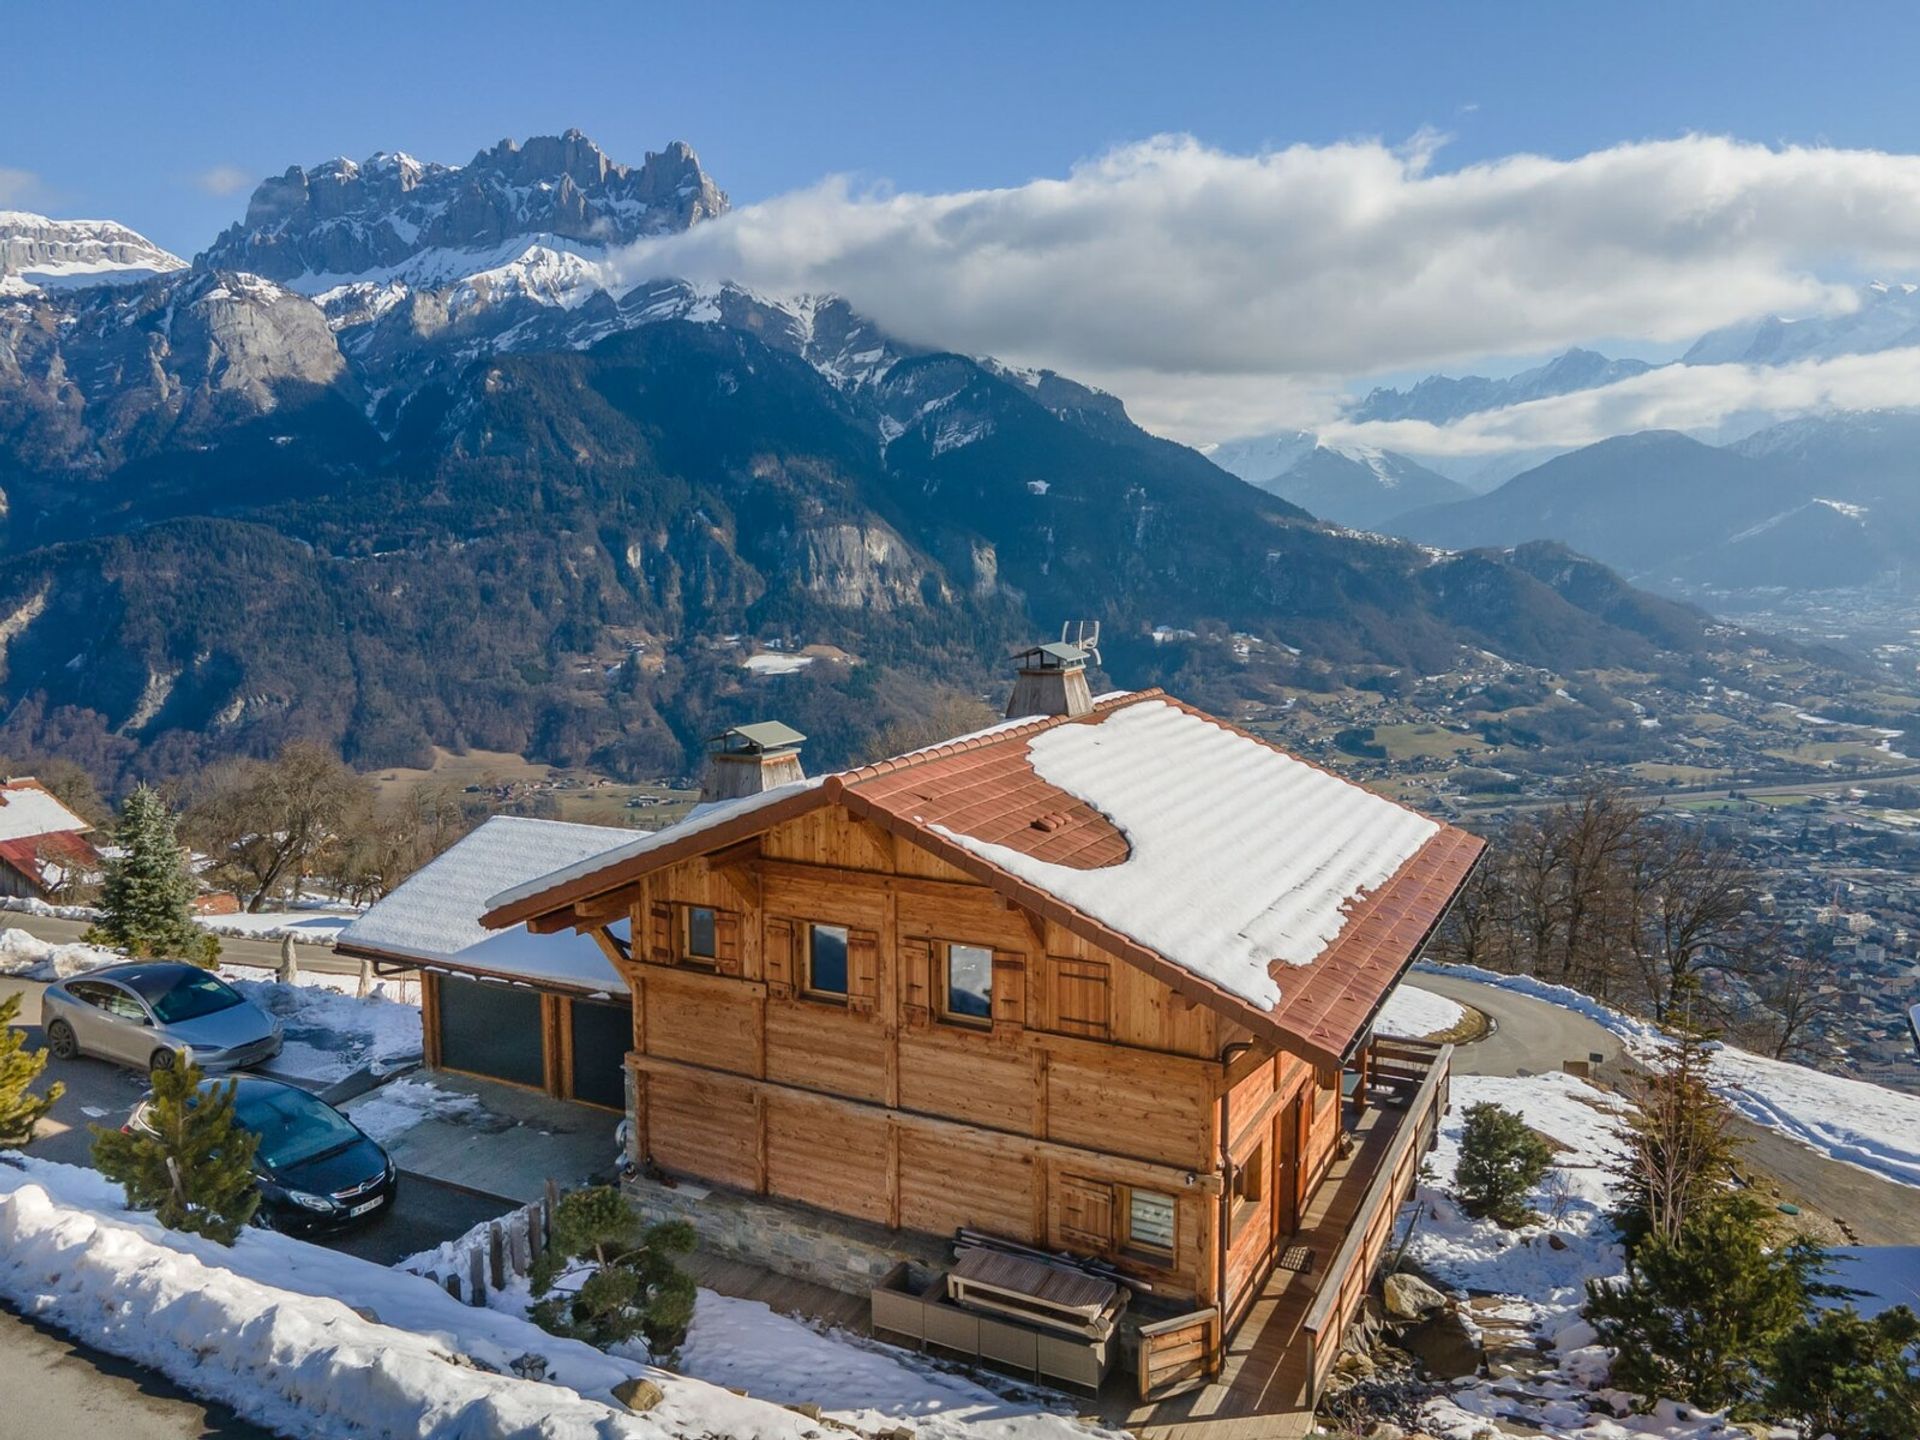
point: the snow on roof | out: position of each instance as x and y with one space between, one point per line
26 810
702 817
435 913
1240 855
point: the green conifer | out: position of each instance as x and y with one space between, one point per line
195 1169
146 903
1839 1374
1500 1161
20 1109
634 1285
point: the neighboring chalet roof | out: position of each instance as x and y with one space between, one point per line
1247 879
39 835
433 917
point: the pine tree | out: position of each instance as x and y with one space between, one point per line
634 1285
195 1169
1839 1374
20 1110
147 901
1679 1149
1501 1160
1698 1314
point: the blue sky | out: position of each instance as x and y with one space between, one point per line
121 109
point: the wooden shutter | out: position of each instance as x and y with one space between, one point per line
863 971
1086 1213
726 942
660 934
779 957
916 959
1080 997
1009 991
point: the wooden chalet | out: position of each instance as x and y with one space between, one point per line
1084 986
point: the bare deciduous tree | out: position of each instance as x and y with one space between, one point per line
270 821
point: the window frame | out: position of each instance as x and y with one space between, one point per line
945 1009
688 955
1148 1251
844 995
1249 1190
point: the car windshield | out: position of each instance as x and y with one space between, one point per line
184 994
292 1126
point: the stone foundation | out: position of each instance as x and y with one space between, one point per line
790 1238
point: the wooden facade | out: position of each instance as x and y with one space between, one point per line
1090 1110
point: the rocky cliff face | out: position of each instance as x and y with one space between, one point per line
38 253
392 216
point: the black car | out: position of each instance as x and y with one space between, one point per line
317 1169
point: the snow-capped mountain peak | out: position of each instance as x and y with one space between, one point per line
40 253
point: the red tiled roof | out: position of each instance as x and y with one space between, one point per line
61 847
985 787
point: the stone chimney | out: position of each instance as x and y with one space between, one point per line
1052 681
749 759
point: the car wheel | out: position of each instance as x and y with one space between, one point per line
163 1060
62 1041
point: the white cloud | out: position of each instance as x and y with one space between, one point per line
1220 292
19 187
224 180
1675 397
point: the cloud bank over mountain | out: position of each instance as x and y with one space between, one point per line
1221 293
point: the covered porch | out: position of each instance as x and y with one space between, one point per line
1279 1356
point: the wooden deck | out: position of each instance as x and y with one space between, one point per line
1261 1391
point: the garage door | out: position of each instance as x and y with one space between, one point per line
602 1035
492 1030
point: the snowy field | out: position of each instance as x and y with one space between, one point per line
1413 1014
1863 1124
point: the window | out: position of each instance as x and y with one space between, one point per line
1150 1223
827 961
1249 1185
969 988
697 941
123 1006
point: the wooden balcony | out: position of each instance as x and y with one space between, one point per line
1279 1356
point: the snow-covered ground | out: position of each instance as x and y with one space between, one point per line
1542 1284
1413 1014
270 1327
1852 1120
744 1345
312 921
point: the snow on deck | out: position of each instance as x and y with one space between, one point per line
435 914
1241 855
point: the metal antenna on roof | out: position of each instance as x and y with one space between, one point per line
1086 636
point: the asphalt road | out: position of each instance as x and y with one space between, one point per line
1531 1037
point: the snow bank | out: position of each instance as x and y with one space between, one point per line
27 905
266 1328
1863 1124
32 958
1413 1014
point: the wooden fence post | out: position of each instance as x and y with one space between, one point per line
452 1282
476 1277
496 1255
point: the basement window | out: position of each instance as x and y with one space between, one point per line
1150 1225
969 988
827 961
697 939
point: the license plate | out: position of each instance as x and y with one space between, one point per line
365 1205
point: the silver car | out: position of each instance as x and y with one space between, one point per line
156 1014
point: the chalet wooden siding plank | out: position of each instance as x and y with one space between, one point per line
1127 1104
863 971
953 1071
702 1019
779 955
1009 993
825 1155
828 837
660 946
949 1181
1086 1213
704 1125
1077 997
728 952
916 981
819 1047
